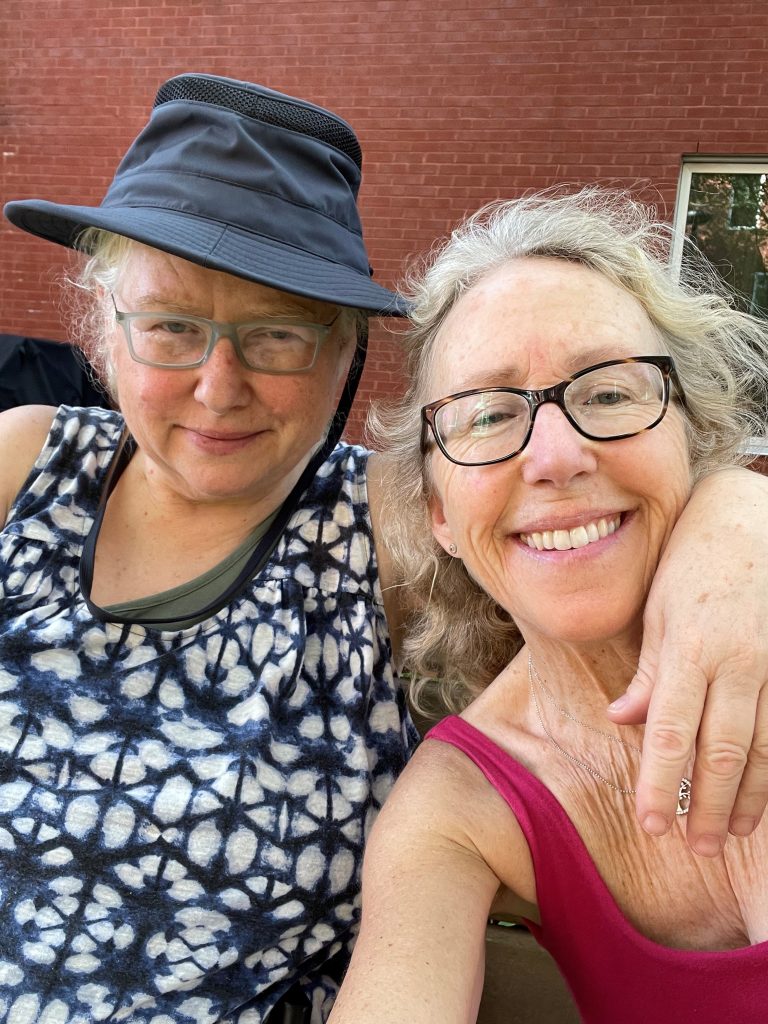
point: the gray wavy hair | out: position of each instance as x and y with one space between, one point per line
90 310
457 634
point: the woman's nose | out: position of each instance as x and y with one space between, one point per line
222 382
556 452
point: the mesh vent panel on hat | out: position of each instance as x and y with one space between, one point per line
268 109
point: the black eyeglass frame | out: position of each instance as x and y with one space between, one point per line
221 330
556 394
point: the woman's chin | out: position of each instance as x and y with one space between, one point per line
586 626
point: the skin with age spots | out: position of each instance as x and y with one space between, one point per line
565 318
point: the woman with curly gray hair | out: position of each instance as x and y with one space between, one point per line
567 393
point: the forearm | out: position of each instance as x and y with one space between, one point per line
419 958
740 490
392 980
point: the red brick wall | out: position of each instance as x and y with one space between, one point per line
456 103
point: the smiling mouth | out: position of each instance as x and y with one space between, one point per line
578 537
213 435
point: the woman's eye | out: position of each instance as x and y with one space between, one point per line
176 327
612 397
488 419
494 418
264 335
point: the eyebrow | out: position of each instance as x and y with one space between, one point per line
155 302
498 377
509 376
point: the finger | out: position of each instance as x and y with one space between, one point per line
753 791
724 742
675 710
632 707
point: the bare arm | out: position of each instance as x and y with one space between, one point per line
22 435
427 891
704 665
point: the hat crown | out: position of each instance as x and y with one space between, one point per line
264 105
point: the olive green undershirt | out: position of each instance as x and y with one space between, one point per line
179 604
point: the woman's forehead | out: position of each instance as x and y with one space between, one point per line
546 287
152 277
539 310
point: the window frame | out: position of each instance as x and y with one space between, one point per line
711 164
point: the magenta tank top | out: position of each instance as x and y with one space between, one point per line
616 974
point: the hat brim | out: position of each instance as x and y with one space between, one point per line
214 245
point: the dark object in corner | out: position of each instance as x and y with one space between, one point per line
38 372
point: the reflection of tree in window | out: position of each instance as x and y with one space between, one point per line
728 220
746 197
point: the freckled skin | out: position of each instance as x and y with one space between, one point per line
535 322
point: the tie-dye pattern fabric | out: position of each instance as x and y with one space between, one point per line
182 813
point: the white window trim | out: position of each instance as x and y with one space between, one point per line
704 165
757 446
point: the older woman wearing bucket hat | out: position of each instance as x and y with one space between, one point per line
200 717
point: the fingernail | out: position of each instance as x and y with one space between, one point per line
619 704
742 826
708 846
655 824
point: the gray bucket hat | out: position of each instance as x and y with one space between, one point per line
238 178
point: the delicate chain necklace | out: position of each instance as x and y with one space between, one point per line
684 793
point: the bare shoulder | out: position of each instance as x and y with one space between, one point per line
23 432
443 797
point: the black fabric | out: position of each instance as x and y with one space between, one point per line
34 371
293 1008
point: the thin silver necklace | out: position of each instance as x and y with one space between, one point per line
684 793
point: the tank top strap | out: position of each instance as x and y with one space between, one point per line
607 963
568 885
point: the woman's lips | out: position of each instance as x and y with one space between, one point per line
577 537
219 441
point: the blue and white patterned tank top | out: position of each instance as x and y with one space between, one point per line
182 813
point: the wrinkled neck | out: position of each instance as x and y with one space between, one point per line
589 675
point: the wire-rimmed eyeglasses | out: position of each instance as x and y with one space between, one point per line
606 402
174 342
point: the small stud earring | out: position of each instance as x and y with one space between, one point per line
452 549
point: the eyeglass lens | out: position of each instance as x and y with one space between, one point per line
610 401
277 347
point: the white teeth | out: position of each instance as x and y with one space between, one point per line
578 537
